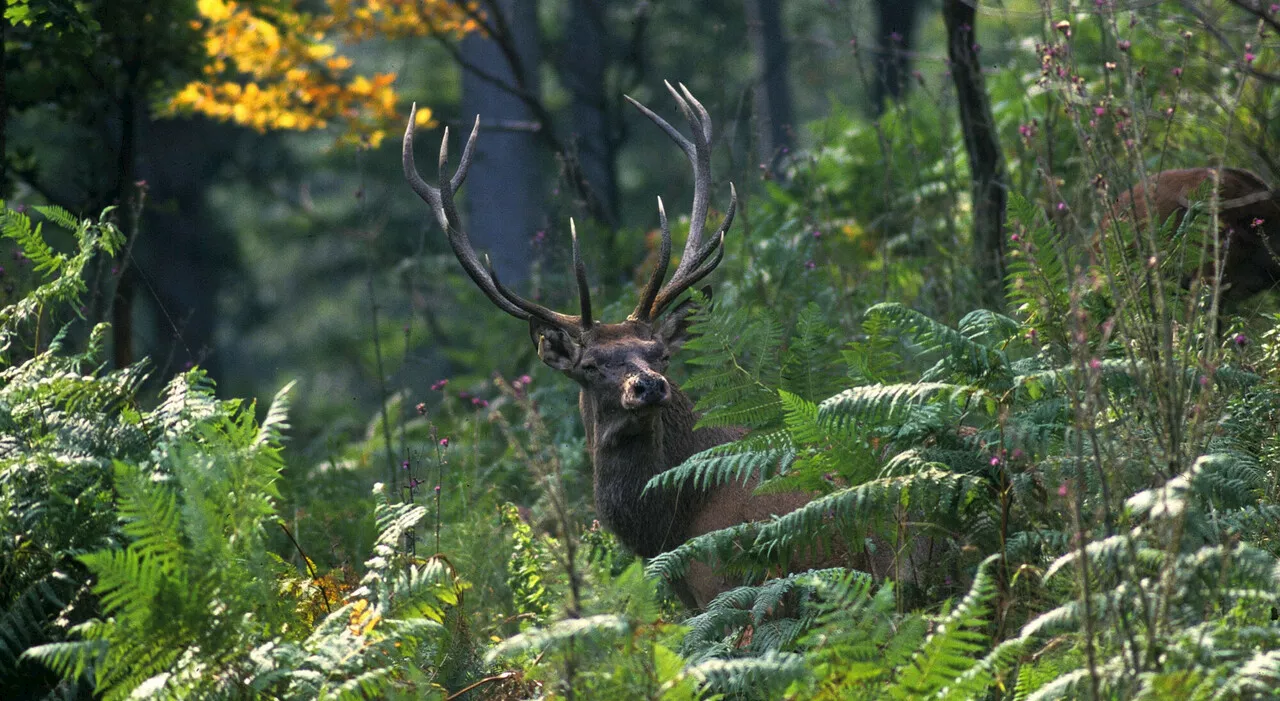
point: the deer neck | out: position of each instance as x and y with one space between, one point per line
627 450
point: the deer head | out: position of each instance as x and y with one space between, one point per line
620 366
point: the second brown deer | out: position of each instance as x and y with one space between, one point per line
1248 220
638 424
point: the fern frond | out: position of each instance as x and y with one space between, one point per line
772 671
1259 676
600 629
950 650
276 422
714 467
883 402
938 489
955 348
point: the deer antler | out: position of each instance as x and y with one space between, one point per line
440 198
696 262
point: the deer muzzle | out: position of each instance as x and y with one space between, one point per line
648 389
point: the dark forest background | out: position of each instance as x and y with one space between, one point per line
926 238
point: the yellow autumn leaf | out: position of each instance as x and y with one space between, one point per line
215 10
318 52
360 86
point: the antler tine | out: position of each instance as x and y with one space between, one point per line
725 223
702 120
420 186
670 294
464 165
696 271
580 272
685 144
698 150
644 308
440 199
532 309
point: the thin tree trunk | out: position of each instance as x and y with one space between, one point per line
4 113
986 161
774 114
895 29
585 58
504 191
122 304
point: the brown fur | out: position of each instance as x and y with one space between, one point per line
1251 265
630 447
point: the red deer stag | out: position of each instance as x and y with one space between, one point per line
638 424
1248 217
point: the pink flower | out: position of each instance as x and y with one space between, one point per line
1248 57
995 461
1015 238
1177 72
525 379
810 265
1124 44
439 385
1099 111
437 489
1094 364
1062 489
1241 340
1257 222
405 464
1062 206
444 442
421 408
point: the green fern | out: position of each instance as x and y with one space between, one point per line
66 274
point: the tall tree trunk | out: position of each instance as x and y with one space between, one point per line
895 29
4 113
126 174
774 115
986 162
584 61
186 253
504 191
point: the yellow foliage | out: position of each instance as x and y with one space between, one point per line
274 67
363 618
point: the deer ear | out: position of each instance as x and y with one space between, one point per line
674 328
556 348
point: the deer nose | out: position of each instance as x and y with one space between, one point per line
647 390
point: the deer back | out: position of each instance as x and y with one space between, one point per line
1248 217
